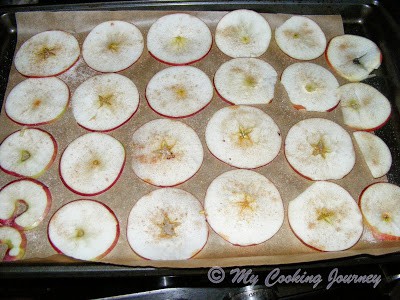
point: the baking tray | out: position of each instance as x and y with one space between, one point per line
359 17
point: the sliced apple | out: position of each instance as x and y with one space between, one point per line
243 136
310 87
244 207
84 229
243 33
380 206
48 53
37 101
363 107
375 153
246 81
301 38
179 39
179 92
27 152
15 241
167 224
166 152
105 102
92 163
112 46
319 149
326 217
353 57
24 203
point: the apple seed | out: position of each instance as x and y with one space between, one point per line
25 155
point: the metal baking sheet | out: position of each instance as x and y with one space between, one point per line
385 80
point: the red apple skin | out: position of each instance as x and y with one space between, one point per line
194 253
293 168
48 122
11 222
97 193
112 245
172 117
8 257
378 235
48 165
114 128
184 64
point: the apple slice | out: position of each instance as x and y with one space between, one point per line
375 152
27 152
246 81
301 38
326 217
15 241
167 224
92 163
179 39
243 33
48 53
84 229
166 152
243 136
244 207
310 87
363 107
319 149
380 206
37 101
112 46
353 57
32 196
179 92
105 102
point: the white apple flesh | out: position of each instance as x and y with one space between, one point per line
32 195
179 92
15 241
48 53
243 136
310 87
244 207
375 153
92 163
380 206
319 149
301 38
112 46
246 81
167 224
243 33
179 39
353 57
166 152
27 152
37 101
84 229
363 107
105 102
326 217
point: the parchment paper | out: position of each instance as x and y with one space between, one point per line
282 248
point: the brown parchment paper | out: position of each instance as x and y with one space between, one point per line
282 248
